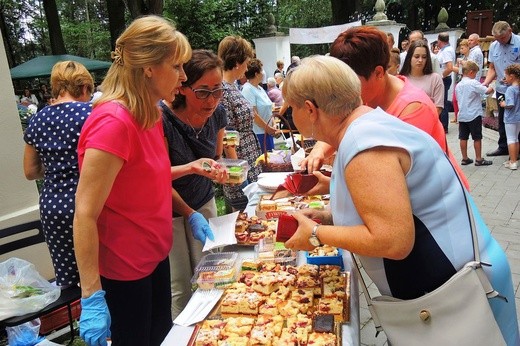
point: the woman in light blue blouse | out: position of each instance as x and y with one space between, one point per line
262 105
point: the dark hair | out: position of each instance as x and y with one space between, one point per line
407 64
201 61
234 50
444 37
253 67
363 48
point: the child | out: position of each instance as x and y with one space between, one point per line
469 93
511 106
394 63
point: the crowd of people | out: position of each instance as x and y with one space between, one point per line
129 178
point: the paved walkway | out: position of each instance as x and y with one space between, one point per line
496 191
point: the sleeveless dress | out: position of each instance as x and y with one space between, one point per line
442 234
54 133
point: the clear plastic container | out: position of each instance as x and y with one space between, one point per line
237 170
217 270
231 138
267 250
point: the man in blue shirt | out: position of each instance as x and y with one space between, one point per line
504 51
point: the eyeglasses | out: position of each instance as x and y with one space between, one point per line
202 94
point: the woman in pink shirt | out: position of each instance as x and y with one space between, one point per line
122 224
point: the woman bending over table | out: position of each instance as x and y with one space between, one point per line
395 197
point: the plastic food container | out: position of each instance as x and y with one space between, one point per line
237 170
320 260
215 271
267 250
231 137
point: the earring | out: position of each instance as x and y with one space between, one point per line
312 130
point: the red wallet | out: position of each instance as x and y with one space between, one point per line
287 226
298 183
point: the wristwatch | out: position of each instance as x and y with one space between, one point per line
313 239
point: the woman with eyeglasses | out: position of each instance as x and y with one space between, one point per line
194 126
236 53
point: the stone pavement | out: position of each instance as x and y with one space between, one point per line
496 191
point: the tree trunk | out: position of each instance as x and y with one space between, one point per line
53 22
116 19
342 10
7 44
143 7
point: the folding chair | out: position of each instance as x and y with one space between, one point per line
13 239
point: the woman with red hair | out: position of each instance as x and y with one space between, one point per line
366 51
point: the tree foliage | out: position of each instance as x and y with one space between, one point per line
90 27
206 22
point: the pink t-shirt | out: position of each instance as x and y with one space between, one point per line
135 225
425 118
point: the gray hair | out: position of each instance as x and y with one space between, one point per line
271 81
326 81
500 28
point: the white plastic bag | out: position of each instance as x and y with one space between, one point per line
22 289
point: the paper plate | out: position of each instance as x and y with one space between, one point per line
269 181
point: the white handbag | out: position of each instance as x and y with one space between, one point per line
457 313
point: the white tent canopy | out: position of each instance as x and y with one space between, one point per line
325 34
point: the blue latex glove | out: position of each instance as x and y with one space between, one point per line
200 227
94 325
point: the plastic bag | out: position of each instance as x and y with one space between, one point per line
25 334
22 289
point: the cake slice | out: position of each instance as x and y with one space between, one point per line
322 339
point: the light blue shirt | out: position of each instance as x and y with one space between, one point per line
503 55
469 92
475 55
512 115
259 99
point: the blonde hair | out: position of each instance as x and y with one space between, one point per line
326 81
70 76
148 41
464 42
468 66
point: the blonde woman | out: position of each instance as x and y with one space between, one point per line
122 225
50 153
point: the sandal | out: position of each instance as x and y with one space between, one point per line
483 162
466 161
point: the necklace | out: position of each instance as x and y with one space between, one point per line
197 133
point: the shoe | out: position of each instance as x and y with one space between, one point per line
483 162
466 161
498 152
512 166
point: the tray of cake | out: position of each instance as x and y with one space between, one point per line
249 230
277 304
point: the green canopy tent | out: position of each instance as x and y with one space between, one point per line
41 66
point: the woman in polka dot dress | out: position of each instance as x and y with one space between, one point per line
50 153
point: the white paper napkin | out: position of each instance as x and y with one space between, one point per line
199 306
224 231
296 158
